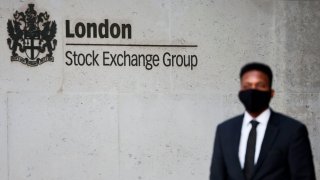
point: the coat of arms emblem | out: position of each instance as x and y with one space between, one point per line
32 34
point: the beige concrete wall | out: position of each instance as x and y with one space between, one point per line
79 123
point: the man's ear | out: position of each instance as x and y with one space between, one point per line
272 92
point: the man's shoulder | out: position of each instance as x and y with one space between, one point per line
285 120
279 118
236 120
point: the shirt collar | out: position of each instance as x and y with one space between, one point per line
263 118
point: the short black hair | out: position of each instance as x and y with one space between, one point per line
259 67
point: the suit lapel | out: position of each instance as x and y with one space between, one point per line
269 137
235 146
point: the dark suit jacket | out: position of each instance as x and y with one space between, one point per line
285 152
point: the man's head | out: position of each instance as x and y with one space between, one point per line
256 87
256 76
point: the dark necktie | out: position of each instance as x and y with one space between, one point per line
251 147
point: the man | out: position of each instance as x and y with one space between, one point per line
261 144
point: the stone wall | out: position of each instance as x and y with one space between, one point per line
124 123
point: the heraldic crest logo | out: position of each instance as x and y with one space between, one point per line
32 34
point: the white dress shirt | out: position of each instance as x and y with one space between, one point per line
263 119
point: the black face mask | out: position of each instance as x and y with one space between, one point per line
255 101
